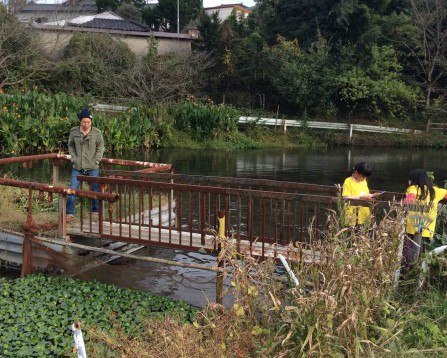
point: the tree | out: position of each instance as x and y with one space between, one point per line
376 88
129 12
302 78
164 14
95 64
21 57
430 49
165 78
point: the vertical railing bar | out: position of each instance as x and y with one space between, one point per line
249 223
150 213
295 220
283 220
209 206
302 222
101 212
239 223
190 217
120 208
272 218
276 221
216 208
110 209
90 216
81 209
179 216
262 224
159 217
134 194
202 205
288 222
318 220
130 211
169 214
227 215
140 209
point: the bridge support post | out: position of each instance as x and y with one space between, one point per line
27 245
220 262
26 256
55 171
62 224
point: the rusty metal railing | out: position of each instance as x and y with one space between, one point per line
243 183
57 159
260 221
182 211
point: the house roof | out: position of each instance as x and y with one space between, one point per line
40 7
112 24
85 18
146 33
240 7
81 5
69 5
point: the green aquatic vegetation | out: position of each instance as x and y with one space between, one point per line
36 312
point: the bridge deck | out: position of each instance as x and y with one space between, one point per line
144 235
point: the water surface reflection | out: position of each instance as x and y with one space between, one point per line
327 167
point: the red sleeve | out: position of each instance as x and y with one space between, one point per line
410 198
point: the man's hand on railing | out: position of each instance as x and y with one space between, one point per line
65 156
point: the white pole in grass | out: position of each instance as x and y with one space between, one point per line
78 340
289 271
424 266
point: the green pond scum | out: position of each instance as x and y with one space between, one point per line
36 313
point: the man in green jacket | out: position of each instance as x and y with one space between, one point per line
86 148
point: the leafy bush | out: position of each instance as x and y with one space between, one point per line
34 121
377 89
204 120
38 122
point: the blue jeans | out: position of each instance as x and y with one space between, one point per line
75 184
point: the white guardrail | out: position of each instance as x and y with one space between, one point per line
284 123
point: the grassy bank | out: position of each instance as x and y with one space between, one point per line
349 306
295 138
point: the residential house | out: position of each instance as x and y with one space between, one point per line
42 13
57 34
224 11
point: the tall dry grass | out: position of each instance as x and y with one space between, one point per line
14 207
342 307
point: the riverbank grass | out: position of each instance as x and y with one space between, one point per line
348 303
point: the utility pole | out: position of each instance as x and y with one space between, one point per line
178 16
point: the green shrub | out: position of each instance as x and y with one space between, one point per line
204 120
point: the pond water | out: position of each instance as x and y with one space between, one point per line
318 166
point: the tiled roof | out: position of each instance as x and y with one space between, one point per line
226 6
40 7
111 24
80 6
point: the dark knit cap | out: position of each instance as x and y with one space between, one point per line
85 113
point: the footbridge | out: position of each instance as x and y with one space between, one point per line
150 205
